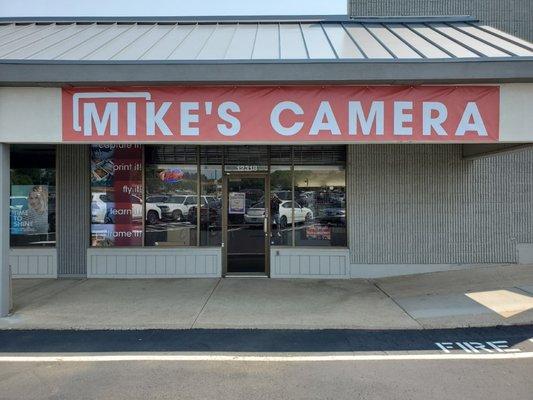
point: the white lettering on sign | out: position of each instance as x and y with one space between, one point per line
325 120
471 113
495 346
187 118
135 114
110 116
132 119
401 117
433 123
155 118
276 114
356 116
232 125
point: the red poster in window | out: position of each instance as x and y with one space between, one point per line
286 114
117 195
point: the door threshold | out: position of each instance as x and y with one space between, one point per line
246 275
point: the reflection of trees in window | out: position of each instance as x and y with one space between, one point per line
32 176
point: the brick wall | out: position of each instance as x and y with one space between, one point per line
425 204
512 16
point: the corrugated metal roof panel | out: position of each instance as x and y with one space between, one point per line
266 45
11 29
469 41
495 40
107 34
274 41
242 44
136 49
443 42
342 42
367 43
424 47
317 43
218 43
121 42
29 36
83 33
399 48
163 48
291 42
505 35
192 45
58 35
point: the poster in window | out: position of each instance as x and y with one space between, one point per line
29 209
117 195
237 203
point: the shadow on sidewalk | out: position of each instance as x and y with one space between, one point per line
251 340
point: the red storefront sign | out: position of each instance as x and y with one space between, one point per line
286 114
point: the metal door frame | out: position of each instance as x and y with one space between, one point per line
226 177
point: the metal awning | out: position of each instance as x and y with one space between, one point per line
123 50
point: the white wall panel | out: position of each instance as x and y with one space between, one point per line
305 262
30 115
33 263
516 118
154 263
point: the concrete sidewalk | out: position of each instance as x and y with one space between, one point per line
501 295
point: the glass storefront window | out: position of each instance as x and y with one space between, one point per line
170 207
280 205
182 188
32 199
116 195
210 206
320 206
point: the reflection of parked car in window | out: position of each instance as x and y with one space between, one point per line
256 213
211 215
210 203
154 212
172 204
334 215
103 210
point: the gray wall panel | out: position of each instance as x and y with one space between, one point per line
187 262
512 16
33 262
73 209
416 204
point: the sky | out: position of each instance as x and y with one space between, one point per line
121 8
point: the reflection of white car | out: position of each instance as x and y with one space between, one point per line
178 206
103 210
173 205
256 213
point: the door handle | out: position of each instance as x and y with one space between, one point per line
265 225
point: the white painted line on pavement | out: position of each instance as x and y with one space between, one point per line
206 357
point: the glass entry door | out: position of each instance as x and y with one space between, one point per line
246 224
